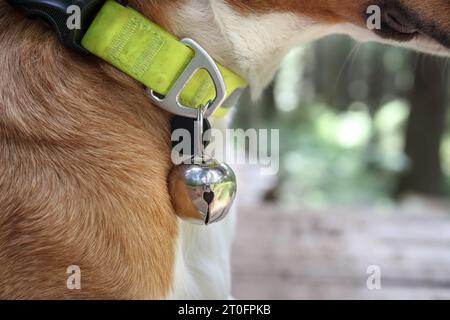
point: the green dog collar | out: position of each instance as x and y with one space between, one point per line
152 56
180 75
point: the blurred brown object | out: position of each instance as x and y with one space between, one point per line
425 129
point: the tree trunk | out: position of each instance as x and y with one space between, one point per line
425 130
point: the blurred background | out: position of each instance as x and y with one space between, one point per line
364 177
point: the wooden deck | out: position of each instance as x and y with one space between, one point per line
295 254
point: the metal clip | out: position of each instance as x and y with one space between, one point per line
202 60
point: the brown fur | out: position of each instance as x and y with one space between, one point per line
83 159
333 11
336 11
435 11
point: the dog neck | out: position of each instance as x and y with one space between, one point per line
252 42
235 38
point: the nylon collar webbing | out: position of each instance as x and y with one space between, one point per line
143 50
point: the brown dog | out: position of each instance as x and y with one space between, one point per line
84 157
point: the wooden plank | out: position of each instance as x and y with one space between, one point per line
288 254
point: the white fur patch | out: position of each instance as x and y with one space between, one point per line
202 269
252 45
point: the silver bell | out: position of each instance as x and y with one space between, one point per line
203 190
202 193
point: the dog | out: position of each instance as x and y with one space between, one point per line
84 156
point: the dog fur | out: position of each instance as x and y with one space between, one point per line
84 156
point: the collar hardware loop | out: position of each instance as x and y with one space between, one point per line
201 60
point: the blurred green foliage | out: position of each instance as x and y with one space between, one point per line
342 109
